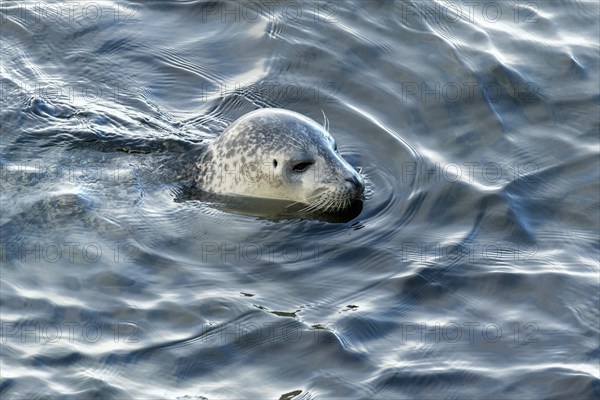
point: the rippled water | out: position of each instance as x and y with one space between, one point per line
471 271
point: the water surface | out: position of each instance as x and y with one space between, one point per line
471 271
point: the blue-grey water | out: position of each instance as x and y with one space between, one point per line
472 270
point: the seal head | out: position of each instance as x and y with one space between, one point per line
280 154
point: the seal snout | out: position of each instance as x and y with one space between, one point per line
356 184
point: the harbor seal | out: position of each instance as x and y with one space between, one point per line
280 154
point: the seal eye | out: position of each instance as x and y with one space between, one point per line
302 166
274 163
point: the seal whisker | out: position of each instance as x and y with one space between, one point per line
329 205
308 208
294 203
318 203
325 121
300 202
347 203
337 205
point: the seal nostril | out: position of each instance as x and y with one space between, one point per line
356 183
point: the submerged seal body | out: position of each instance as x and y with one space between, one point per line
279 154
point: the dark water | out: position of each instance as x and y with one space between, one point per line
471 271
